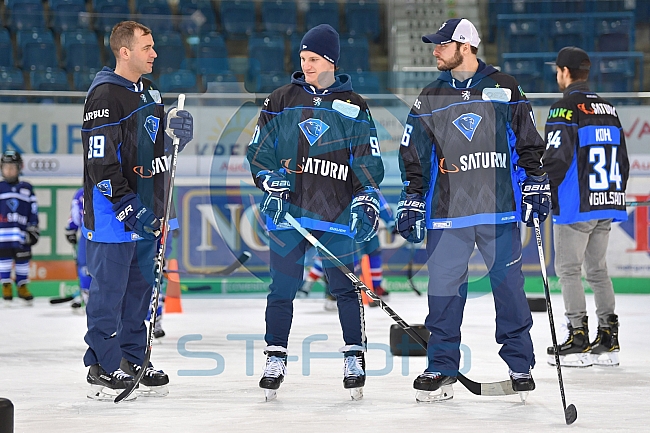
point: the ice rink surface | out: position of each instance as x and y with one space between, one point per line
205 354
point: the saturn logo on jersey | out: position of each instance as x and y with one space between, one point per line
158 165
467 124
313 129
151 124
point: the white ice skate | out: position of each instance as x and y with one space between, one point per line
354 373
273 374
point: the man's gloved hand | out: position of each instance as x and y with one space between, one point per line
276 197
130 211
178 124
32 235
535 199
71 235
411 215
364 215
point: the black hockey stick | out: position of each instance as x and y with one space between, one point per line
68 298
409 269
570 413
158 271
243 258
496 388
637 203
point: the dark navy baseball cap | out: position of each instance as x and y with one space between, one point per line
456 29
572 58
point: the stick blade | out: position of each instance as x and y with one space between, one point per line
570 414
55 301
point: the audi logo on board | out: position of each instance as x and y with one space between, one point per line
42 164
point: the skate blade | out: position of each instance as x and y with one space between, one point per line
578 360
523 395
607 359
270 394
356 394
102 393
152 391
445 392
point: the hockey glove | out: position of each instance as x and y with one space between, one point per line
276 197
364 215
536 199
32 235
71 235
411 217
178 124
130 211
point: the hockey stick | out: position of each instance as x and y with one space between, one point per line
68 298
570 413
409 269
158 272
637 203
496 388
243 258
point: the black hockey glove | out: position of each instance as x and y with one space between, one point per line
130 211
276 198
535 199
411 222
178 124
364 215
32 235
71 235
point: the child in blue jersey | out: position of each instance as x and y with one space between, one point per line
18 226
71 228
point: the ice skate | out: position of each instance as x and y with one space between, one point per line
153 383
575 351
7 293
383 295
605 348
24 293
354 373
105 386
330 303
273 374
523 383
158 331
432 387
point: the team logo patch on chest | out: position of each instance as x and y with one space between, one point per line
151 124
12 204
313 129
467 124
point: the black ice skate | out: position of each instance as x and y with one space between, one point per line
354 373
433 387
273 374
574 352
522 383
154 381
106 386
158 331
605 348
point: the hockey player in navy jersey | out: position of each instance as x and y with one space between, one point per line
470 162
18 226
315 154
126 135
587 165
79 243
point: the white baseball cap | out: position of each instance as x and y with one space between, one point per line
456 29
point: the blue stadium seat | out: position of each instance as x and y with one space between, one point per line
266 54
80 50
178 81
26 15
170 50
36 49
355 55
49 79
279 16
294 51
11 78
615 74
156 15
362 18
525 36
528 72
267 82
366 83
65 15
221 83
197 17
110 13
81 80
238 17
6 49
211 55
614 34
569 32
322 12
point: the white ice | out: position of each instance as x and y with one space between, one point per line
41 371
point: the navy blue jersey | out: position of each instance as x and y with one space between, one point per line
18 210
326 142
585 158
124 152
467 147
